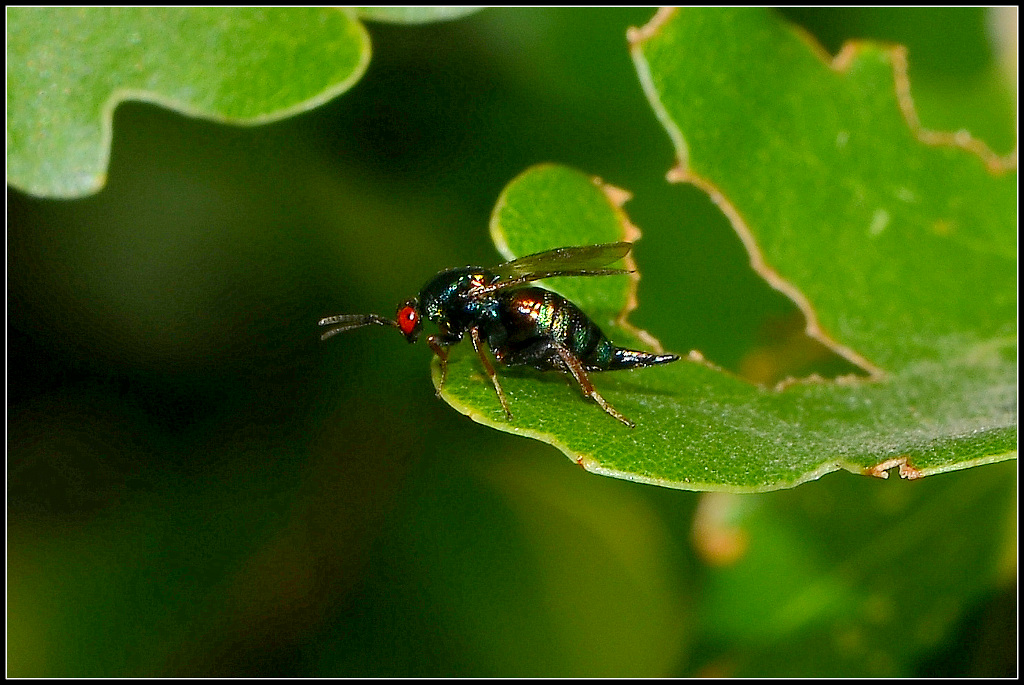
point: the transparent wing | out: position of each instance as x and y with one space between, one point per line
563 261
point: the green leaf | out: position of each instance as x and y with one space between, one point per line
69 68
898 245
840 196
414 15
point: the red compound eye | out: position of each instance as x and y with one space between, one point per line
408 318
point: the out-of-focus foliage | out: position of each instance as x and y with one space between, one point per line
413 15
197 486
68 68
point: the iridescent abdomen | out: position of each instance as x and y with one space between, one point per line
531 316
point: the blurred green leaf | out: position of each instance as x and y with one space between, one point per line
414 15
898 244
69 68
842 579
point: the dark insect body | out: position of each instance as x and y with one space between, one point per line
522 326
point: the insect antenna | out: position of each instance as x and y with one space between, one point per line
347 322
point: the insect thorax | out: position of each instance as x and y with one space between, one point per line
448 301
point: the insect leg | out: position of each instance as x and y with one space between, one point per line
474 334
575 368
442 354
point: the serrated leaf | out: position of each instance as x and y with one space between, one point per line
898 245
69 68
